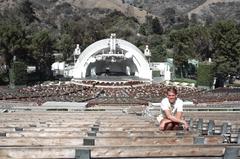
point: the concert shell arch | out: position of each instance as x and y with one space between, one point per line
112 55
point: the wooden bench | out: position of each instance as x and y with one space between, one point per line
82 133
102 134
186 151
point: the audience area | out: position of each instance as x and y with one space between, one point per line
106 92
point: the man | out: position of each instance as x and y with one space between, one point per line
172 109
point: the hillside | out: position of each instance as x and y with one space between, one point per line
92 8
201 10
218 9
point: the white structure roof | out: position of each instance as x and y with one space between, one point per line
138 61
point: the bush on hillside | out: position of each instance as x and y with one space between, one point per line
205 75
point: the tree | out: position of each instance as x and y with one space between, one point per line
169 14
65 45
42 46
148 26
200 37
19 73
225 36
157 47
194 19
158 54
142 29
205 74
27 12
13 41
156 26
83 32
183 49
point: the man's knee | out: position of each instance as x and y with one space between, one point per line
162 125
169 126
165 125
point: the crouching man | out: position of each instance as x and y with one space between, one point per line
172 109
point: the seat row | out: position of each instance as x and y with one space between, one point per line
108 133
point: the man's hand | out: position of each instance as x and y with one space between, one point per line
185 125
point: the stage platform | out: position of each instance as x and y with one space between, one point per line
112 78
116 81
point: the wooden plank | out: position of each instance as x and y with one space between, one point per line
59 118
52 119
32 152
77 114
144 133
73 124
41 141
101 141
76 123
128 128
5 129
213 139
230 116
37 134
163 151
58 113
116 151
37 124
49 117
99 133
135 141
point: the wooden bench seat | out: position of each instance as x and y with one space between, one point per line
192 151
101 141
74 124
109 133
83 133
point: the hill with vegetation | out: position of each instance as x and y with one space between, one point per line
199 10
32 31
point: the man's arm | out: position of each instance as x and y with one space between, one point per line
179 115
176 118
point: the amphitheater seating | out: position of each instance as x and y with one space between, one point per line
115 122
136 91
113 131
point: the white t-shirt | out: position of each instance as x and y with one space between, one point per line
176 107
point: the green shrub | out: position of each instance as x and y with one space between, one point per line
3 78
233 85
18 73
205 75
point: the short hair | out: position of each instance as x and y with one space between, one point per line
172 89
